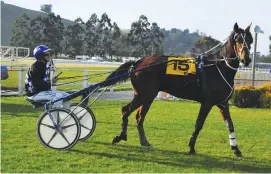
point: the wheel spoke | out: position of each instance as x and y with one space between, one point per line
57 118
85 127
52 127
79 111
61 133
53 136
65 127
82 116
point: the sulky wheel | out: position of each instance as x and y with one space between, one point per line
65 135
86 118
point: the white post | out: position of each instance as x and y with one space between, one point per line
85 82
254 56
21 81
112 88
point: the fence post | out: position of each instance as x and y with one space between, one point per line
112 88
21 81
85 82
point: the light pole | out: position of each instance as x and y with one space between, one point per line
257 30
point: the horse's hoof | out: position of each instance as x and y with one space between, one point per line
117 138
238 153
149 147
192 152
124 137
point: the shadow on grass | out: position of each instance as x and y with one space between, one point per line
27 109
181 159
130 125
20 110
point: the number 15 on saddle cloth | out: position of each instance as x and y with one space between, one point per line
181 66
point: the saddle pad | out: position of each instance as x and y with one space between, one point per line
181 66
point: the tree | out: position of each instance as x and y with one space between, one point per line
92 35
105 36
116 44
178 42
47 8
139 36
36 30
205 43
20 32
74 40
53 32
156 40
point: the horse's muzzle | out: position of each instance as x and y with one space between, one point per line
247 62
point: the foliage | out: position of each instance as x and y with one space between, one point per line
205 44
265 96
36 28
263 58
74 41
47 8
53 32
21 32
248 96
101 36
145 39
178 41
92 36
10 13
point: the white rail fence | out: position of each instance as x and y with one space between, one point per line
243 78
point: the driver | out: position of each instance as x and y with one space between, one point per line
37 82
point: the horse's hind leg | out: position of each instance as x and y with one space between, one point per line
203 113
140 117
126 111
225 112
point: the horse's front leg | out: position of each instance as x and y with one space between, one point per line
225 112
203 113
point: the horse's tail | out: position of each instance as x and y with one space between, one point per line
121 74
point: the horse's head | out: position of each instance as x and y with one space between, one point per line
241 41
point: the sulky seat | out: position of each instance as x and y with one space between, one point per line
37 103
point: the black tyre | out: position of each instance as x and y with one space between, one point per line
86 118
67 135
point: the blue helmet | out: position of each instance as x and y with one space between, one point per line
39 50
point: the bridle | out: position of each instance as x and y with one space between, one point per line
224 58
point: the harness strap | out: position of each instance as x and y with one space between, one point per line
231 87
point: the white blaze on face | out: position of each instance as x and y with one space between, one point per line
232 139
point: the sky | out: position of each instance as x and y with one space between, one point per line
213 17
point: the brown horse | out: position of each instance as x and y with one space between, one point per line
211 85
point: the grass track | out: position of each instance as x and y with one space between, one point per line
168 127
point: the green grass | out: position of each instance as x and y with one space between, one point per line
168 127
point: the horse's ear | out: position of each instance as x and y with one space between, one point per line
248 28
236 28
